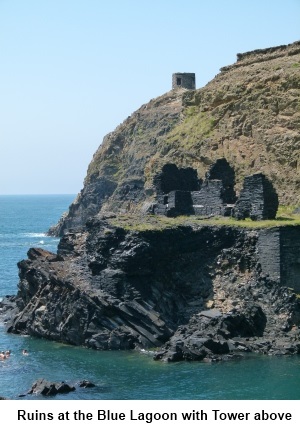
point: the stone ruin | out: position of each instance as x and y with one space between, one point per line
258 199
179 191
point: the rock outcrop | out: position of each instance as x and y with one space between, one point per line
49 389
46 388
194 292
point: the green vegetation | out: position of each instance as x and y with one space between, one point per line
195 126
153 222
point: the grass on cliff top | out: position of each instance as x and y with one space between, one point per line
285 217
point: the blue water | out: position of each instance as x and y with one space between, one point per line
117 375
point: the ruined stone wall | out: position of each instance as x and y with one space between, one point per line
258 199
208 201
290 257
215 196
268 246
279 255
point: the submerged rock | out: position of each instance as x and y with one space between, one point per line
86 384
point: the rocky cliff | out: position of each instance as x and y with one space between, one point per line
192 292
249 114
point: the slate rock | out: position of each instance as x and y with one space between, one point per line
46 388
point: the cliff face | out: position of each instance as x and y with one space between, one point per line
249 114
192 291
115 179
197 292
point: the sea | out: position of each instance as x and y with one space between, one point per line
117 375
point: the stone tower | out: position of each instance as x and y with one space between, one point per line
184 80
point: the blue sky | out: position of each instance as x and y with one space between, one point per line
72 70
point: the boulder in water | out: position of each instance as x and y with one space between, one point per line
46 388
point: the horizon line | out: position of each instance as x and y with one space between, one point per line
39 194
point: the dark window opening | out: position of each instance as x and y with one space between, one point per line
178 81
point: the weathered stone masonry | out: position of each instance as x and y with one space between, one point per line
278 250
180 192
258 199
184 80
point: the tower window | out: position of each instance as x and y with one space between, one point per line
178 81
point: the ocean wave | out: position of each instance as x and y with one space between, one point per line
27 243
33 234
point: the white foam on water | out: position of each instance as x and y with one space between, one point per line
33 234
